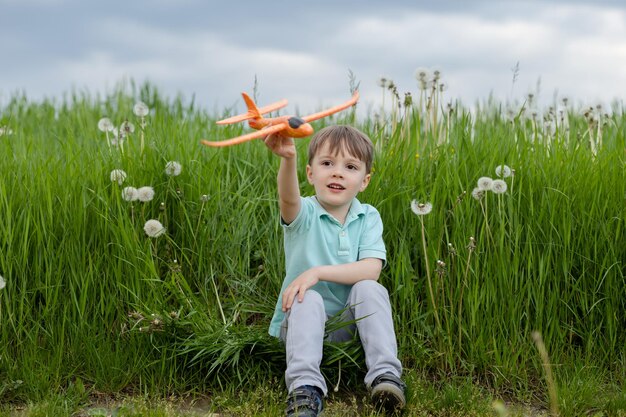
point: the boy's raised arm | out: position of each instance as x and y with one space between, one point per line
288 186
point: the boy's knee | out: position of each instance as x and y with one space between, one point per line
312 301
369 287
307 314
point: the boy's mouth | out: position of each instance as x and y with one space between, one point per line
335 186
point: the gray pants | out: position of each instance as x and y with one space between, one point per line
302 331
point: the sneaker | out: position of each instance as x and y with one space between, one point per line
305 401
387 392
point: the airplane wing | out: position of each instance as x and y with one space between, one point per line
253 112
274 106
245 138
332 110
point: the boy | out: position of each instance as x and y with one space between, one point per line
334 253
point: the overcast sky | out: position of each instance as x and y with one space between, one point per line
304 50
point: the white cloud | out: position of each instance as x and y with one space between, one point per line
573 48
197 61
578 49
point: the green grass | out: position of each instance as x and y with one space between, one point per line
92 301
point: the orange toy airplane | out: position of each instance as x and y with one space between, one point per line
292 126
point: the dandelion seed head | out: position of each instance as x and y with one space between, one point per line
484 183
154 228
477 193
118 175
105 125
3 283
5 130
145 194
173 168
421 209
117 140
141 109
118 137
204 198
441 268
422 74
382 82
130 194
127 127
408 99
503 171
135 315
498 186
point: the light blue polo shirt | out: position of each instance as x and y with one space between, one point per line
316 238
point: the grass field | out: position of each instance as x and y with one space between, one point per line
92 307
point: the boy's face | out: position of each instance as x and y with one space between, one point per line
337 179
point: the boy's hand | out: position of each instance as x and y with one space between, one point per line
298 287
281 145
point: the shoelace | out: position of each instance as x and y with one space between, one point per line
302 398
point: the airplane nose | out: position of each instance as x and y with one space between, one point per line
295 122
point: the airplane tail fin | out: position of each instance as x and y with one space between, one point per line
253 111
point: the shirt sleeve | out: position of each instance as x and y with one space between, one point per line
371 244
302 219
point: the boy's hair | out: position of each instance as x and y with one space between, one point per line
341 138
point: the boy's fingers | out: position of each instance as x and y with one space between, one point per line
288 299
290 295
285 302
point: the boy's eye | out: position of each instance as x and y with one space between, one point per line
352 167
325 163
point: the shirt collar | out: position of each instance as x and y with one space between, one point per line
356 210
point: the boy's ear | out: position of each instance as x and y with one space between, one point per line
366 181
309 174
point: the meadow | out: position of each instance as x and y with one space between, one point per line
137 263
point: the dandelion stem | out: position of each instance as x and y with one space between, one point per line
199 220
484 209
460 309
338 378
430 285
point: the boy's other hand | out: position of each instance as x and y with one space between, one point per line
281 145
298 287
